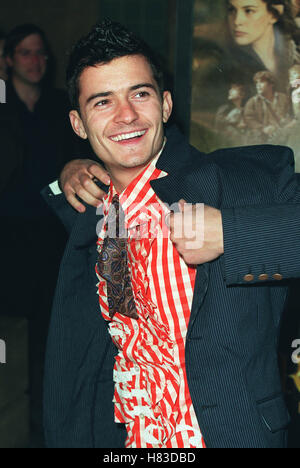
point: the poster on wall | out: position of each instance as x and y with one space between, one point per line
246 74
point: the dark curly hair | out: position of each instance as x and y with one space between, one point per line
285 22
16 35
107 41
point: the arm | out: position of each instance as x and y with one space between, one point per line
261 240
264 240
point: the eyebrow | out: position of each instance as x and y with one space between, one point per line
244 6
110 93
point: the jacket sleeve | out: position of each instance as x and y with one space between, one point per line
60 207
262 243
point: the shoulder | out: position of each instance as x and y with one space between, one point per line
254 162
267 155
283 97
253 100
245 175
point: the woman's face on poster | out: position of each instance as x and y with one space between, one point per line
249 20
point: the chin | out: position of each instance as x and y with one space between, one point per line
242 41
135 161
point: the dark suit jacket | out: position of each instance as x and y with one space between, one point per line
231 347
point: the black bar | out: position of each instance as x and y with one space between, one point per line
183 63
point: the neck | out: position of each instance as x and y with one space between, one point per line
269 95
265 49
121 179
237 103
28 93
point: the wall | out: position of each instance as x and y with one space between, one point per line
64 21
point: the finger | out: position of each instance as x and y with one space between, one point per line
87 197
100 173
91 187
75 203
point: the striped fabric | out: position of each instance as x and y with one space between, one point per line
151 391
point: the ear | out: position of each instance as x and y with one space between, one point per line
167 106
77 124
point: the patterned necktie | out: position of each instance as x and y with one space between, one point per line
113 264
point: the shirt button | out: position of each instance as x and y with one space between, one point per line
142 416
136 367
136 327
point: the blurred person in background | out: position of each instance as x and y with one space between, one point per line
36 142
3 75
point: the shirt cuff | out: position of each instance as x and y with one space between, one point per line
54 187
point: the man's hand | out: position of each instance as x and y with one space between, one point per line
77 179
197 233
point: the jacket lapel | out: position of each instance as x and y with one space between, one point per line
177 157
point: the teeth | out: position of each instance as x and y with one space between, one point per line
128 136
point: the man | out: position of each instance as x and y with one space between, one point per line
267 112
188 354
36 141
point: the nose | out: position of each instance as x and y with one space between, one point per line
34 59
126 113
239 18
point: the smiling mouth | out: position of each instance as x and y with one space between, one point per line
128 136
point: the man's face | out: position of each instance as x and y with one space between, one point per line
122 113
263 87
29 61
236 92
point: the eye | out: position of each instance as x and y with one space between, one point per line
102 103
142 94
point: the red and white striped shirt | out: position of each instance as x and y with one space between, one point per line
151 391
